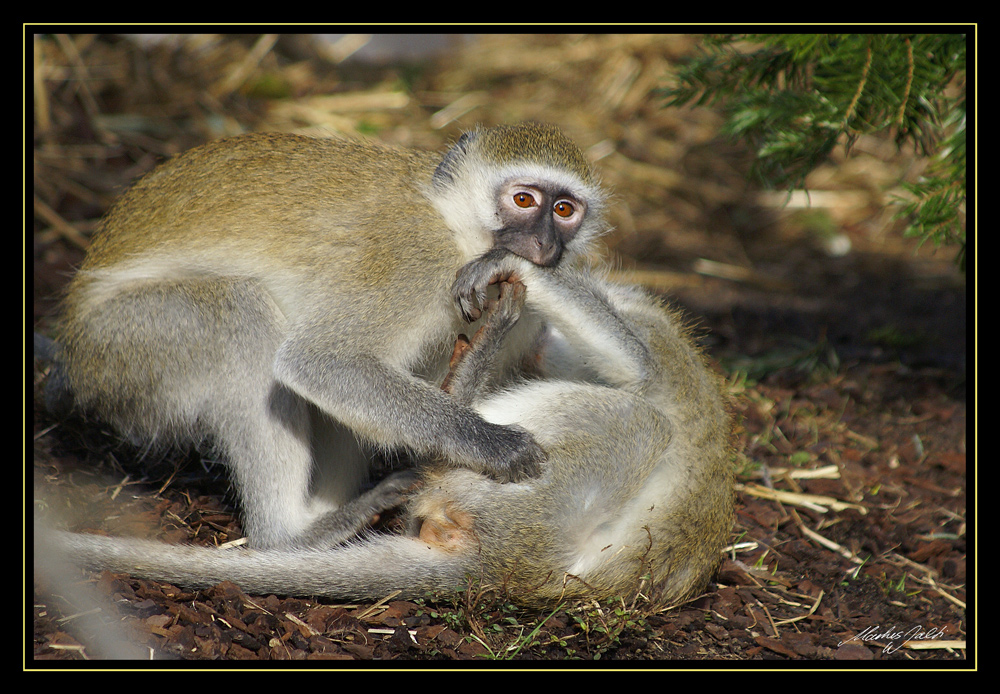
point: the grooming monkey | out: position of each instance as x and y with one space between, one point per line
635 495
281 297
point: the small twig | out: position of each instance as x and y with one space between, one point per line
241 72
118 488
389 632
371 610
829 544
815 502
295 620
71 617
69 647
811 611
909 82
861 87
935 645
167 483
81 73
61 226
774 628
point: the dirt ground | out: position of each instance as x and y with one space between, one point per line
843 343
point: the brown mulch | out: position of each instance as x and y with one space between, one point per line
847 370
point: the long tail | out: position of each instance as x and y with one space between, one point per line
367 570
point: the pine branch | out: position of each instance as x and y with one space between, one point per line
793 97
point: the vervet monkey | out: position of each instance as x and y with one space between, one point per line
636 493
283 297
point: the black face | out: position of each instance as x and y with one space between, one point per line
538 221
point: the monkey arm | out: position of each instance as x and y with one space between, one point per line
597 323
394 408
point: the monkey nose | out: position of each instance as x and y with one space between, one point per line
546 254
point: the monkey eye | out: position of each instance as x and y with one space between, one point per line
564 208
524 199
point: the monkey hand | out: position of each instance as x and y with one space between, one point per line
523 460
469 289
510 301
351 519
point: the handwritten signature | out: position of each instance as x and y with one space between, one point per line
895 636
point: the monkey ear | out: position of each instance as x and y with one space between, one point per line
444 174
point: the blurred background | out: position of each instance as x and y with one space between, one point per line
755 266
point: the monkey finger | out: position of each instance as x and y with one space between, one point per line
470 312
508 279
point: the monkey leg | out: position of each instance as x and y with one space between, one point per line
473 360
191 361
348 521
462 346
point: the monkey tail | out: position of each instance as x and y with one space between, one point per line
365 570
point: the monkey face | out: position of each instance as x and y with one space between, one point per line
538 221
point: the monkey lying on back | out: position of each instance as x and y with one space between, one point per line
281 297
635 494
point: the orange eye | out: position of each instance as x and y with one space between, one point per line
524 200
563 209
